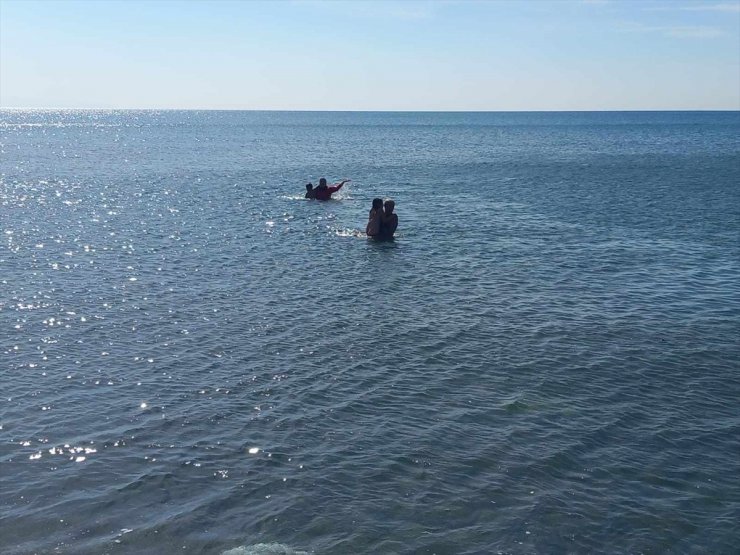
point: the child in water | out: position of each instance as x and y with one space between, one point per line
373 220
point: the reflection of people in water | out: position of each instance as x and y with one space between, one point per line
388 221
373 220
310 191
324 192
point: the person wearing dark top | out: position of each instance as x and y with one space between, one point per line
310 191
388 221
373 219
324 192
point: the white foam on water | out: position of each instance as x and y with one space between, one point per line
346 232
264 549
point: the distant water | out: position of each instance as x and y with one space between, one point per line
195 359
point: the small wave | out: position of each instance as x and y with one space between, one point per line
350 233
303 197
264 549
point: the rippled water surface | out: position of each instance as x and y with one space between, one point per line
195 359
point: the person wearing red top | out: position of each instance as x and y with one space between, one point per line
323 192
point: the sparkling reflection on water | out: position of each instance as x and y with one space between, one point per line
195 358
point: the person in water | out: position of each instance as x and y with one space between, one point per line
373 220
324 192
310 191
388 221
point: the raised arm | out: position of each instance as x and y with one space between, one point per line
334 188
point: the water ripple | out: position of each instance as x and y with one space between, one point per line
197 359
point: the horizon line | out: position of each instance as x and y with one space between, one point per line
60 108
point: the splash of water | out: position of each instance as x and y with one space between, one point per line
264 549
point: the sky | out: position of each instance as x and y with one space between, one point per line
371 55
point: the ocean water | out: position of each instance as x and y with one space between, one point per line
195 359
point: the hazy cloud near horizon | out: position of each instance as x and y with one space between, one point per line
385 55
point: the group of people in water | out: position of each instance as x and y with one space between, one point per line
382 221
322 190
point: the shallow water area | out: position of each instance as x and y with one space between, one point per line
196 359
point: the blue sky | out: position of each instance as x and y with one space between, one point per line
371 55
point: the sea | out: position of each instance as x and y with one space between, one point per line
194 358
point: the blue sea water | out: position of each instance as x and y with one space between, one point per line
195 359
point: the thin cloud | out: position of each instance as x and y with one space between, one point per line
733 8
693 32
394 10
721 8
675 31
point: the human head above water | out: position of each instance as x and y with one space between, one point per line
377 203
309 186
322 182
389 206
